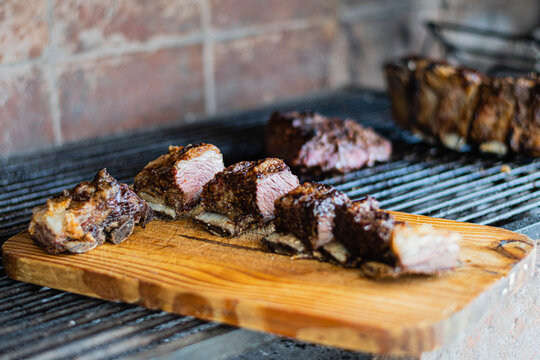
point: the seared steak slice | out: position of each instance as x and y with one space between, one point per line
314 144
172 183
244 194
308 213
445 102
84 217
374 236
494 115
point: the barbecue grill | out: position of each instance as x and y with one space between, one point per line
42 323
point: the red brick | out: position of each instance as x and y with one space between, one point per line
371 43
264 68
88 25
118 94
25 120
23 30
236 13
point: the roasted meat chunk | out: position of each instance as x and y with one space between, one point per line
445 101
172 183
313 144
85 216
456 106
307 212
525 93
494 115
242 196
388 247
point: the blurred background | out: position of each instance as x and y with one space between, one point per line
74 69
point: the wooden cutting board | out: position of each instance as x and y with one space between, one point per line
179 267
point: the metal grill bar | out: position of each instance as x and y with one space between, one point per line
423 179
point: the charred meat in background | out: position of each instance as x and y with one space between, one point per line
242 196
445 101
494 115
386 247
313 144
456 105
172 183
524 95
307 212
85 216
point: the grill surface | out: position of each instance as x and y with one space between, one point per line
421 179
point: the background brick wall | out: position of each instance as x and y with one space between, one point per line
76 69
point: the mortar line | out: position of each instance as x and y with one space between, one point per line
50 76
209 79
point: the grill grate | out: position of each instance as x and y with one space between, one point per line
422 179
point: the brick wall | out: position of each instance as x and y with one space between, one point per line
76 69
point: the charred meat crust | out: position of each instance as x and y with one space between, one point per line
457 105
317 145
173 182
83 217
366 231
245 192
308 212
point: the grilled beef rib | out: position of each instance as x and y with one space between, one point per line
314 144
242 196
172 183
386 247
85 216
456 105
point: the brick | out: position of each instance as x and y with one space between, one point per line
265 68
25 120
228 14
124 93
82 26
371 43
23 30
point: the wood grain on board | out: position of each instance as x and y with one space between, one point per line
179 267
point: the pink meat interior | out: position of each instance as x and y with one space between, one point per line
193 174
272 187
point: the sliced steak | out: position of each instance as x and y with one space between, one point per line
308 213
85 216
314 144
494 115
172 183
244 194
374 236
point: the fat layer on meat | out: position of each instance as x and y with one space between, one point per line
85 216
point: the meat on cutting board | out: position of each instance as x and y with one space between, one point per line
242 196
314 144
307 213
317 221
386 247
172 183
83 217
